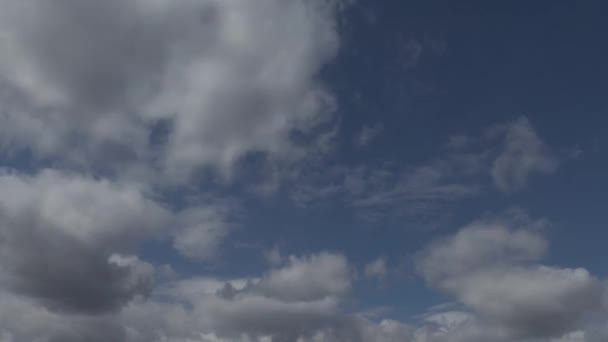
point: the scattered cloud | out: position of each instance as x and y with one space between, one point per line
202 229
367 135
523 154
491 267
128 107
376 269
503 156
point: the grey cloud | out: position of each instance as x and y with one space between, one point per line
193 310
490 267
140 93
65 238
484 244
311 278
513 304
296 300
230 77
58 238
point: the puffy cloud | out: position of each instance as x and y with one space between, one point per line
65 238
203 309
176 85
489 266
59 233
138 93
309 278
487 243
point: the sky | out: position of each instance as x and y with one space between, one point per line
303 170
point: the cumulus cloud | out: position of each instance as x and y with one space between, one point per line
66 238
124 105
491 267
117 102
175 85
309 278
299 300
58 236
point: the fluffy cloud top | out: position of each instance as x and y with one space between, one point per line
177 85
489 266
252 309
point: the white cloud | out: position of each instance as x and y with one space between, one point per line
255 308
221 79
490 267
309 278
119 97
486 243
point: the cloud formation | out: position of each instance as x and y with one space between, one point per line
502 157
491 268
267 308
113 113
61 238
175 86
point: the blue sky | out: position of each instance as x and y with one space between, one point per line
303 170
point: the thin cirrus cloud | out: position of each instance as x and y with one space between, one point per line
502 157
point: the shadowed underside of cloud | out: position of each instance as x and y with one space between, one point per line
490 267
300 300
60 235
